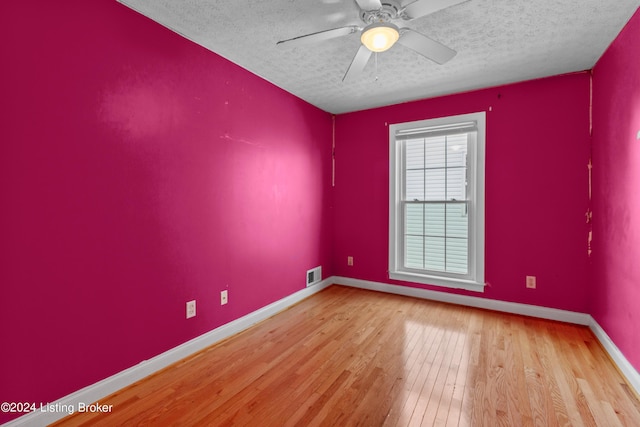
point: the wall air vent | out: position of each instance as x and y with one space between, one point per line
314 276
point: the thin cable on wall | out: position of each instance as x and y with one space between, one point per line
333 150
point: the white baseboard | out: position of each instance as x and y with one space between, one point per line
108 386
628 371
470 301
623 365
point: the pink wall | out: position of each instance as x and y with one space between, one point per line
615 294
536 188
139 171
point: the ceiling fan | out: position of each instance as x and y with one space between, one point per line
380 33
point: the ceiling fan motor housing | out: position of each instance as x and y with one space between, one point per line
389 11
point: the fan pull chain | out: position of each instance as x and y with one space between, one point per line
376 65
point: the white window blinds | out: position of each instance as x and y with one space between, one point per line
435 202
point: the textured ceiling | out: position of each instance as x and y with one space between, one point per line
498 42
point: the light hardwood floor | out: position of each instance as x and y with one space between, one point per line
347 356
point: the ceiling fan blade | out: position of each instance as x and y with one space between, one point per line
426 7
358 63
319 36
369 4
426 47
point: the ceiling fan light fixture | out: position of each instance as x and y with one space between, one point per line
380 36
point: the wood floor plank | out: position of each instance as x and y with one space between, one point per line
443 408
459 383
564 386
352 357
442 364
518 404
419 371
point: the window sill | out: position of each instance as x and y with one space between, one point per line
468 285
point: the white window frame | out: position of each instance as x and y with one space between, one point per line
474 280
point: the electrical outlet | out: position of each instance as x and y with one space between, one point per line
224 297
531 282
191 309
349 260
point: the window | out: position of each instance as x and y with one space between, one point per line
436 201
